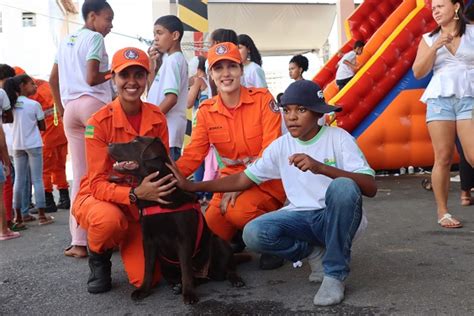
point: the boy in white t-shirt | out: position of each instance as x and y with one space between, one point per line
348 66
325 204
169 89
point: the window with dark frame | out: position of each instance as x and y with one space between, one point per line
28 19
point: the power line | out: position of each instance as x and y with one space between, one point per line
149 42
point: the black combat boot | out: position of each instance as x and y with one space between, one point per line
270 262
64 202
100 279
50 205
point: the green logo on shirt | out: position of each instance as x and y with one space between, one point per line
89 131
330 162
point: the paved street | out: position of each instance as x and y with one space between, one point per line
405 264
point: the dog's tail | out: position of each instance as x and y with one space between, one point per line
240 258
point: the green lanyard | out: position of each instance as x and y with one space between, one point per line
55 115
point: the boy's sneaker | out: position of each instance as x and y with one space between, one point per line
331 292
315 260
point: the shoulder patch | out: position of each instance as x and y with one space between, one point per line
89 133
274 106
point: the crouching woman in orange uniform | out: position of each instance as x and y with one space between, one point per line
104 209
240 122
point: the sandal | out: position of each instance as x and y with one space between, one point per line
18 226
9 235
447 221
426 184
28 218
45 220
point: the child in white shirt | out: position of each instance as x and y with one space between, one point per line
324 175
28 120
347 66
254 76
169 89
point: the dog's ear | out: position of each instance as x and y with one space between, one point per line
154 149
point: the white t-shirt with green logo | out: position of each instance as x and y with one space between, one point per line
73 54
305 190
172 77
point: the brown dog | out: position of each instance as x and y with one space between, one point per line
187 250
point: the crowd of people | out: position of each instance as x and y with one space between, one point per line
287 186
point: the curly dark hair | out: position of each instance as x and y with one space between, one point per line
301 61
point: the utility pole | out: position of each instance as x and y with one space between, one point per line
344 9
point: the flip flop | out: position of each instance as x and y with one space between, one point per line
45 220
16 227
9 235
447 221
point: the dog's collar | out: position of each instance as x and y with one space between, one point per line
152 210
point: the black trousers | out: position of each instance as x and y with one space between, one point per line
466 172
341 83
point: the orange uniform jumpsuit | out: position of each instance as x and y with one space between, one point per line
54 141
103 208
239 135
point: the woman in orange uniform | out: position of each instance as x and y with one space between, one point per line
104 209
240 122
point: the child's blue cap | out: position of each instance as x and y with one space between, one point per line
308 94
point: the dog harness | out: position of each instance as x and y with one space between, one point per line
153 210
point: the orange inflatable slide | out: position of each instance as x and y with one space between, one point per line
381 106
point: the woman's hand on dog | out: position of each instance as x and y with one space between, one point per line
156 190
226 198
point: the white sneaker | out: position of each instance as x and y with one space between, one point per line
315 260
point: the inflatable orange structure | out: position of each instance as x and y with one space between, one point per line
381 106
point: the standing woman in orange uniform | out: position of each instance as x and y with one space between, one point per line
107 210
240 122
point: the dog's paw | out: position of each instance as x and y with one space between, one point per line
236 281
176 288
190 298
139 294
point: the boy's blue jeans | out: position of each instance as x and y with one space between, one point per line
292 234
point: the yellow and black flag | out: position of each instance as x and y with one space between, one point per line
193 14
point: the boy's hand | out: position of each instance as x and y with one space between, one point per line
305 163
181 181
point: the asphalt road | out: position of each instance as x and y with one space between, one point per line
404 264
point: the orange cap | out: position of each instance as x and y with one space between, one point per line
19 71
223 51
129 56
